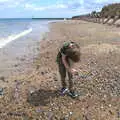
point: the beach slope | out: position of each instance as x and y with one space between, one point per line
35 95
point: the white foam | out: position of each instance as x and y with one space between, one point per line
10 38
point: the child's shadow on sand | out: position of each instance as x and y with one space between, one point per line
41 97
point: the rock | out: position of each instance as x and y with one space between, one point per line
1 91
118 114
16 65
2 78
64 118
111 112
22 59
42 73
110 105
38 49
86 117
70 113
102 107
16 114
37 67
55 78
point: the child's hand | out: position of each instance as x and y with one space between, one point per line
73 71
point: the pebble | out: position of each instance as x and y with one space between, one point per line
42 73
102 107
55 86
110 105
71 113
16 65
118 114
70 103
2 78
105 96
1 91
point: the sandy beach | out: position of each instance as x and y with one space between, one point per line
33 94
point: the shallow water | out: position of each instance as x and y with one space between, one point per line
12 29
21 41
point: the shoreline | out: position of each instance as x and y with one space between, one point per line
19 53
38 90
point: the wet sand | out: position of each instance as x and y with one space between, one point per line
34 94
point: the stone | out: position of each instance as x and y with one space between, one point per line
2 78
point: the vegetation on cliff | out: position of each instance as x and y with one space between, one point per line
108 11
111 10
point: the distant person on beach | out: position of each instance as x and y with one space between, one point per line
67 55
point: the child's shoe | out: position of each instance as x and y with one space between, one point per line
64 91
73 94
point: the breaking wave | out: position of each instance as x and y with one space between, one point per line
10 38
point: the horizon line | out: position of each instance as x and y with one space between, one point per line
36 17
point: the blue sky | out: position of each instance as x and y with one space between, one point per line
49 8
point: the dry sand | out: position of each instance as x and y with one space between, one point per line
34 95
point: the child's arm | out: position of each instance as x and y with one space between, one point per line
68 68
65 63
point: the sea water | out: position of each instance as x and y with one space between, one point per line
19 38
12 29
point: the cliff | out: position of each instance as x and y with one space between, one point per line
109 14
